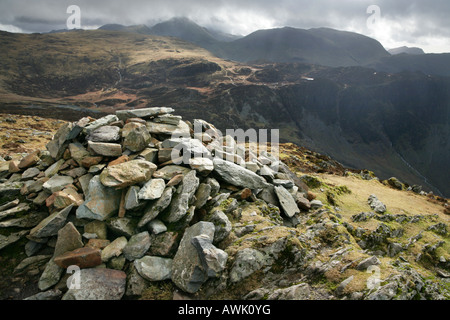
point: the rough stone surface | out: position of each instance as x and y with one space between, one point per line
154 268
101 202
137 246
127 174
152 190
246 263
69 239
142 113
222 225
98 284
52 224
105 134
187 270
287 202
83 258
105 149
114 249
155 208
179 206
237 175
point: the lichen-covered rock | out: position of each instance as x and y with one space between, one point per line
376 204
246 263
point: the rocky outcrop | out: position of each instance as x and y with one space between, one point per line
206 222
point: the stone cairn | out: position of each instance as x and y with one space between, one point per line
108 195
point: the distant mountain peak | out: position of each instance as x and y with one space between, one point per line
407 50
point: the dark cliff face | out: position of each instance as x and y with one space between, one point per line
399 127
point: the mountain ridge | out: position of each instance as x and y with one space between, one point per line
365 51
361 110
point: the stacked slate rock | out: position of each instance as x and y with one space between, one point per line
133 198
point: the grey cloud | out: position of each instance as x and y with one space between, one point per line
422 18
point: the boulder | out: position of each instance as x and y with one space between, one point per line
101 202
365 264
287 202
69 239
60 141
52 224
98 284
152 190
30 173
202 195
98 228
376 204
132 199
182 198
237 175
213 260
78 152
137 139
149 154
154 268
143 113
188 273
156 207
105 149
170 171
203 165
114 249
85 257
104 121
65 198
137 246
123 226
127 174
57 183
222 225
104 134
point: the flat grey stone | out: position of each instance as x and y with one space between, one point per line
143 113
105 149
287 202
152 190
52 224
105 134
237 175
187 269
137 246
98 284
154 268
101 202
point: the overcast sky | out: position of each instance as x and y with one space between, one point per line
421 23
